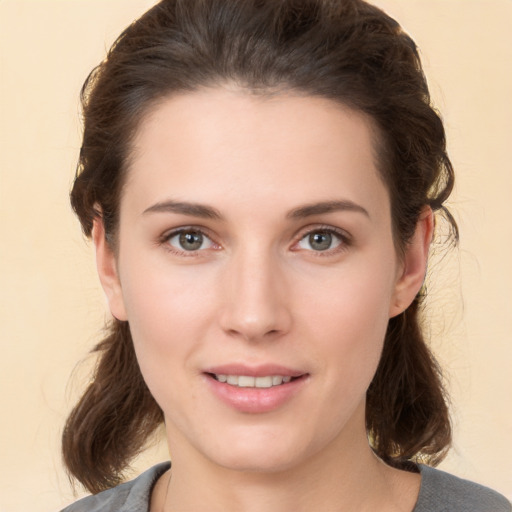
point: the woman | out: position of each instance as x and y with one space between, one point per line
261 180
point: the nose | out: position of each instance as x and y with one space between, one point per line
256 301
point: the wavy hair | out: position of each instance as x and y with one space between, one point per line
345 50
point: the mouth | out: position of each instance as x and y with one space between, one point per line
248 381
256 389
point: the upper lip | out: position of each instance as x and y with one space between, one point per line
254 371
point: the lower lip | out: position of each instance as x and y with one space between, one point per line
255 400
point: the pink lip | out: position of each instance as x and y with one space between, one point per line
255 400
254 371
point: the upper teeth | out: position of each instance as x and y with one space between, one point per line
245 381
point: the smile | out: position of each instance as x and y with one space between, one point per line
247 381
255 390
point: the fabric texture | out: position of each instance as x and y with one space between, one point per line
439 492
132 496
442 492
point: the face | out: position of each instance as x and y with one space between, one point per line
257 269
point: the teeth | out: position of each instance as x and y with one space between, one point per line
263 382
246 381
276 380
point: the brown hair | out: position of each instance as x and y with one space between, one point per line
344 50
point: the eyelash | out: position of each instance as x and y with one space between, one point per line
345 240
165 241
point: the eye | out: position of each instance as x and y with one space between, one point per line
321 240
189 240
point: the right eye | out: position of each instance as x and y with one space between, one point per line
320 241
189 240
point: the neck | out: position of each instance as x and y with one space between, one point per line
345 475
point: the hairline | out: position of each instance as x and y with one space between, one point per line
148 108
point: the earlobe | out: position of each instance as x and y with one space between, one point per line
107 270
414 264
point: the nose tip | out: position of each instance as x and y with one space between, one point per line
252 328
255 306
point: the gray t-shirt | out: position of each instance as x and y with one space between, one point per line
439 492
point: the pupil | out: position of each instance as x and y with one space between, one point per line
191 241
320 241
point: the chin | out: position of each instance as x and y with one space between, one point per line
260 450
259 461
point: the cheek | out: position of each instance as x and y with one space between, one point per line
169 312
348 318
352 298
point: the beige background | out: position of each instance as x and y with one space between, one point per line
50 304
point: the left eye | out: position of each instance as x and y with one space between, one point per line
190 240
319 241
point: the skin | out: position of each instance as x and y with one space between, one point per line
258 291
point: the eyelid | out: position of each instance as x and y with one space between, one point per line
345 238
165 237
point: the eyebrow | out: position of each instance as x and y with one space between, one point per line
184 208
326 207
208 212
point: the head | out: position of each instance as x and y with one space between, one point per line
346 53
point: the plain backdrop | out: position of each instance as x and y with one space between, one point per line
52 309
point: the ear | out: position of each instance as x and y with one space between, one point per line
414 264
107 270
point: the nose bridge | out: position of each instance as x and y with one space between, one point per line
255 305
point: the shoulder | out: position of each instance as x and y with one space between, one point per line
132 496
442 492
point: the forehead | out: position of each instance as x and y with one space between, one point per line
221 144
